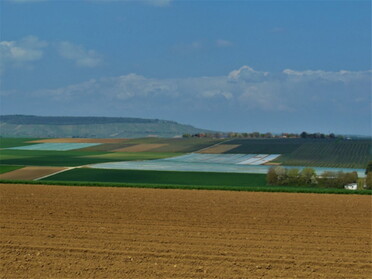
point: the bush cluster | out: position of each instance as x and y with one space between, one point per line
368 184
307 177
331 179
281 176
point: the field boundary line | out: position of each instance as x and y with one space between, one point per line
45 176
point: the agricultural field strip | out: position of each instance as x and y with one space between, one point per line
32 172
218 149
77 140
255 232
140 147
179 235
228 163
214 146
169 165
243 159
48 175
189 257
54 146
260 159
193 242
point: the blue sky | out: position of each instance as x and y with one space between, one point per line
279 66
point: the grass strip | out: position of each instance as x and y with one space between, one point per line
292 189
4 169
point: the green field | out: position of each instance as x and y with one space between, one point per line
70 158
310 152
343 154
295 152
283 189
4 169
160 177
13 142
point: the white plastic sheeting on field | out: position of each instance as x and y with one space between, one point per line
54 146
210 163
244 159
171 165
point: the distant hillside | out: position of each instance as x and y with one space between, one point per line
90 127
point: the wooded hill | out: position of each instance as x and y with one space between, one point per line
90 127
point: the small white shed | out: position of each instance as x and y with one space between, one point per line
351 186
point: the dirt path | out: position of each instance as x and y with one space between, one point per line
87 232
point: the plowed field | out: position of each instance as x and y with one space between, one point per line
88 232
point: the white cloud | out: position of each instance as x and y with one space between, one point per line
19 53
243 89
223 43
247 74
23 52
77 53
341 76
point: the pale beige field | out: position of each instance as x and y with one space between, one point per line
218 149
88 232
140 147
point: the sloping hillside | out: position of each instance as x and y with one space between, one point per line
90 127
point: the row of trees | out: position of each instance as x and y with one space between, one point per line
369 176
257 135
281 176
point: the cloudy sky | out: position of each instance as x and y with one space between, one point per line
279 66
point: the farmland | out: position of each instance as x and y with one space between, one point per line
161 177
4 168
90 232
30 173
301 152
347 154
77 216
69 158
267 146
308 152
164 145
154 155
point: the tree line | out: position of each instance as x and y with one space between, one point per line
369 176
279 175
268 135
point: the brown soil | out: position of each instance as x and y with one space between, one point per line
140 147
78 140
272 164
30 173
218 149
89 232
